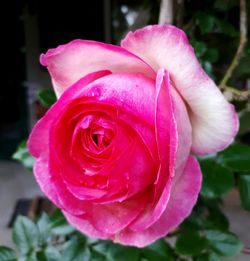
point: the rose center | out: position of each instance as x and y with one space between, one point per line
102 140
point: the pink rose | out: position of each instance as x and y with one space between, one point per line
115 151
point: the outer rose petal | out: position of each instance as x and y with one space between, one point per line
184 131
70 62
112 218
82 224
184 194
214 121
45 182
103 221
167 139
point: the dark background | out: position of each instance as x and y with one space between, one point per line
30 27
57 22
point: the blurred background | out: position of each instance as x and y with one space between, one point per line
30 27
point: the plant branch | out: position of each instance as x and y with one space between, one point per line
236 91
166 12
243 40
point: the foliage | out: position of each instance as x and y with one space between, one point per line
204 235
23 156
47 97
52 239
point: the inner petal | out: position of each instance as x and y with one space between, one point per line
91 143
101 136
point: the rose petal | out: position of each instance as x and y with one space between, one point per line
70 62
130 93
134 170
167 139
214 121
39 137
184 194
82 224
112 218
44 180
183 128
105 220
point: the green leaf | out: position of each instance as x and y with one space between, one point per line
122 253
76 250
22 155
206 22
50 254
57 219
207 257
211 55
47 97
7 254
193 221
190 243
217 180
102 247
96 256
63 230
224 5
59 225
199 47
115 252
25 234
29 257
236 157
244 189
226 28
44 228
160 251
244 123
216 219
240 104
224 243
243 69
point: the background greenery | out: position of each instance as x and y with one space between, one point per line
213 29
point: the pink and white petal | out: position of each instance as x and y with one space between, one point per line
70 62
184 130
167 140
184 194
165 123
214 121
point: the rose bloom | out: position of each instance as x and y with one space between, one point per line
116 151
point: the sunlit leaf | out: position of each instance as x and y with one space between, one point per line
25 234
224 243
24 156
